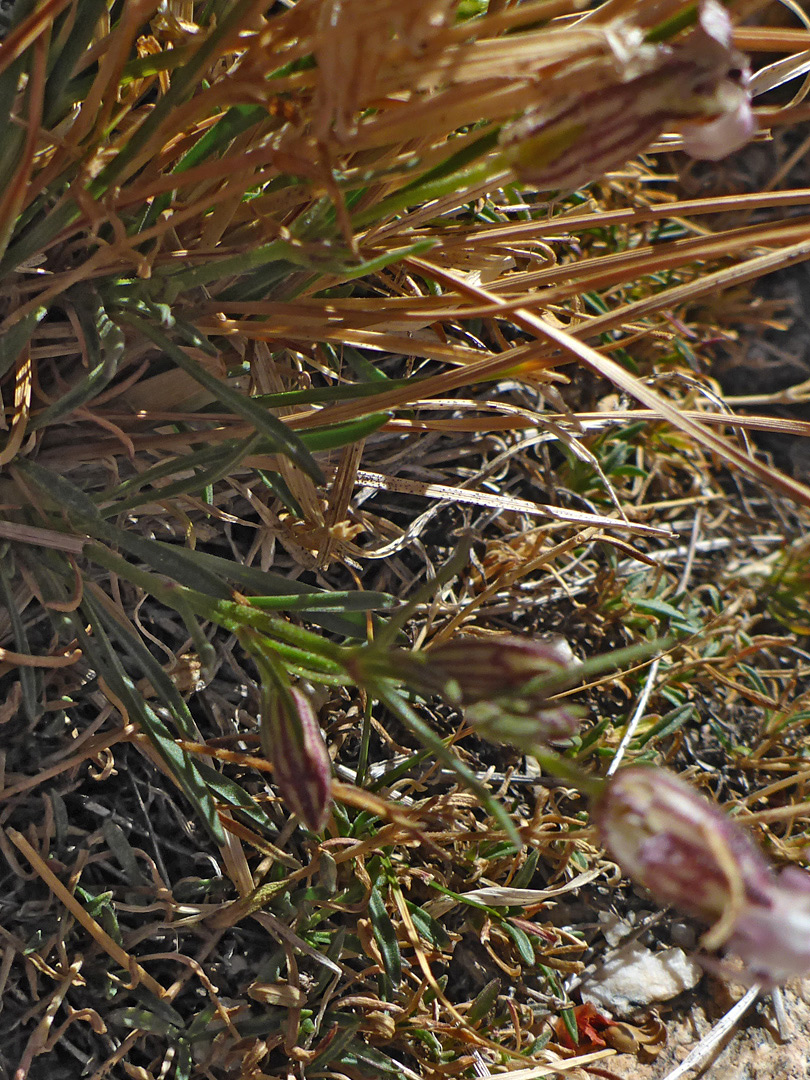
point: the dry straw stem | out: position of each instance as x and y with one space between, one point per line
429 79
100 936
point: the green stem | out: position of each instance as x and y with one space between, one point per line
456 183
321 659
390 697
565 769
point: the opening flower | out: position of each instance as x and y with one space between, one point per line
697 86
689 854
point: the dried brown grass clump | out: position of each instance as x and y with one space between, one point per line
282 322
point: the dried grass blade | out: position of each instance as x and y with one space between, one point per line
365 478
619 376
279 434
101 937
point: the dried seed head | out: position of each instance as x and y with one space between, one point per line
293 741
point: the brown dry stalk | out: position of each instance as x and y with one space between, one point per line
100 936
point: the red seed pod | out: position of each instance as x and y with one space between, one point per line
293 741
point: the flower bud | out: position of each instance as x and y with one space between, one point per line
503 684
688 853
292 740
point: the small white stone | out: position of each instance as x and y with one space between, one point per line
635 976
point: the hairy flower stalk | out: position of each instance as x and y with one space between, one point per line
503 684
690 855
292 740
698 86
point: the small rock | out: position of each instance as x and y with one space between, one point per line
635 976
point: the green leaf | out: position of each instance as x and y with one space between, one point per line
665 611
207 465
30 678
14 340
569 1018
325 601
521 939
281 438
397 704
386 937
167 693
141 1020
105 347
183 1060
346 1028
180 765
182 565
334 436
483 1002
62 64
92 902
238 119
64 495
429 928
122 850
228 791
266 583
359 1054
523 878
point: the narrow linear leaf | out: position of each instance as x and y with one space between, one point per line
63 64
167 693
122 850
30 677
344 1029
64 494
208 465
396 703
237 119
265 582
180 765
141 1020
176 562
235 795
337 435
523 944
282 439
377 1064
335 601
386 937
105 346
14 340
484 1001
430 929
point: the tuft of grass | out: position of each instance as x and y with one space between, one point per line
281 330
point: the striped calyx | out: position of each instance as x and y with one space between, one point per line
688 854
293 741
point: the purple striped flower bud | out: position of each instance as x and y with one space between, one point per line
503 685
293 741
688 853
